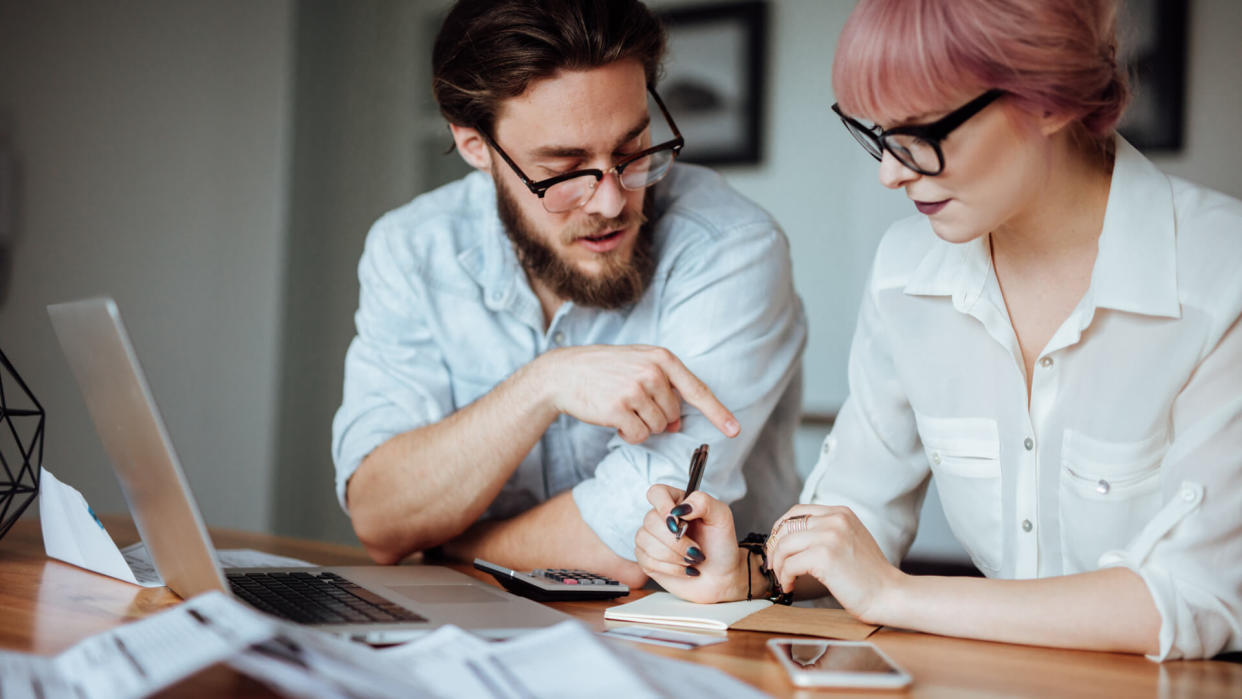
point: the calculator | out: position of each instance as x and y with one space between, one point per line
554 585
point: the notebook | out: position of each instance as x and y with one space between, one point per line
376 604
665 609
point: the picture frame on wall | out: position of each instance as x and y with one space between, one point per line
1152 37
713 79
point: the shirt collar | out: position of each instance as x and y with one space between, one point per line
490 259
1135 269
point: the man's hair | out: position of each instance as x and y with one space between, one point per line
488 51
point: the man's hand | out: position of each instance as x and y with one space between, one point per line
635 389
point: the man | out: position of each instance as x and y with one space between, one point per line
527 335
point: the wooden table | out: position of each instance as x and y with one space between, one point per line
47 606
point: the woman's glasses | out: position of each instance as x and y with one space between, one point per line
916 147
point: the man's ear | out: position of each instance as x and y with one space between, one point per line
472 147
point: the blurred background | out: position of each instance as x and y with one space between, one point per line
214 165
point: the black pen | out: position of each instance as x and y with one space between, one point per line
698 461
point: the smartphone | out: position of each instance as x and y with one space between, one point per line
821 663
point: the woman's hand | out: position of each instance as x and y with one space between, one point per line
705 565
832 545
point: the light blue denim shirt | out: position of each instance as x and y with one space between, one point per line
446 313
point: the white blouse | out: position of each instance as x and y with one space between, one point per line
1130 453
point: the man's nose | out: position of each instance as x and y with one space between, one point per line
609 198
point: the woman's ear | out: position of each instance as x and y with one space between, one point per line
1050 123
472 147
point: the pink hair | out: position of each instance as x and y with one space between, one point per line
901 58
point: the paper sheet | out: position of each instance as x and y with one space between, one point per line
672 638
73 534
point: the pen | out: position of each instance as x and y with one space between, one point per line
698 460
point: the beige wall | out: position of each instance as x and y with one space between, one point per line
150 138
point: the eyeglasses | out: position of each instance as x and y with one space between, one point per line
571 190
916 147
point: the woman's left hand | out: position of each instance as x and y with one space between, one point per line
831 544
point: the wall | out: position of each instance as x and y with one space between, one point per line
150 142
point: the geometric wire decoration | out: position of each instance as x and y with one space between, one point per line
21 445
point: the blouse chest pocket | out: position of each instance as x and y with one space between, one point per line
1108 492
964 454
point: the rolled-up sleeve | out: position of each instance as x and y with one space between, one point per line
731 315
1190 553
395 376
872 462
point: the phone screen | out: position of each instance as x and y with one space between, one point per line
818 656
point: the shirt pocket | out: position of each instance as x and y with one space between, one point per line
964 454
1108 492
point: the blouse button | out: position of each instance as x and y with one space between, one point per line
936 458
1045 362
1188 495
1102 487
1029 443
1027 526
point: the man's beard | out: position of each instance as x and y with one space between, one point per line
618 284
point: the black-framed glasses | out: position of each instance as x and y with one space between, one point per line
917 147
570 190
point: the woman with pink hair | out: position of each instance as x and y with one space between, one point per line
1054 336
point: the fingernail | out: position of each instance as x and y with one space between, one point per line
688 560
671 523
692 572
694 553
732 428
681 510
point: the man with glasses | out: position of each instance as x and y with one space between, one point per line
544 339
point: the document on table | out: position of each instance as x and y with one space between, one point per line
73 534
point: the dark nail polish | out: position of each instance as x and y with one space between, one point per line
694 553
671 523
692 572
688 560
681 510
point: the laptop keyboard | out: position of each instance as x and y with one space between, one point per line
310 598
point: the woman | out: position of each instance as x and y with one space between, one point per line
1054 336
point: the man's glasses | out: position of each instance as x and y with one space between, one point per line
916 147
571 190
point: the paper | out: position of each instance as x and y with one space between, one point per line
73 534
669 610
805 621
672 638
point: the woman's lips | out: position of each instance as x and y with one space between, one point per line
603 242
927 208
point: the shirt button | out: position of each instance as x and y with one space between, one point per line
1102 487
936 458
1027 526
559 338
1188 495
1045 362
497 295
1028 443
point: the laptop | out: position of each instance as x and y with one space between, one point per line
374 604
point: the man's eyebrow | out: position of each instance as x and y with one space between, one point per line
578 152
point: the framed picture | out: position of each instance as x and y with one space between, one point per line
1153 48
713 78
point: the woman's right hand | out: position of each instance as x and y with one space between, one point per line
705 565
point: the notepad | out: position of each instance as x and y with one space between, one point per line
665 609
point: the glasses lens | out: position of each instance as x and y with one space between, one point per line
915 153
647 170
867 139
568 194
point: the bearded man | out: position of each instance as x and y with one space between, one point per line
541 341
